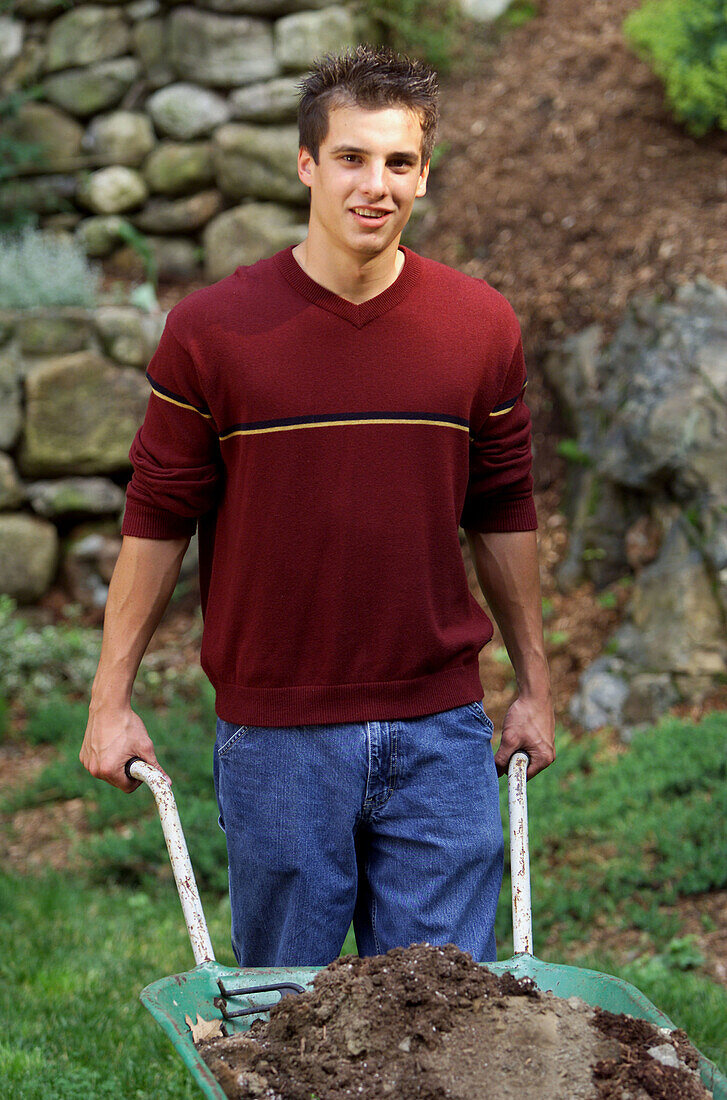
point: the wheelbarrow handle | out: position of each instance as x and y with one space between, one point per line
199 936
522 919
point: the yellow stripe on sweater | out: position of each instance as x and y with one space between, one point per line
180 404
337 423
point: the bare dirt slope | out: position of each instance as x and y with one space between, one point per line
566 183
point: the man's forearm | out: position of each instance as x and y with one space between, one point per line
507 569
141 586
506 564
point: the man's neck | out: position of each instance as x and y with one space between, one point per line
357 279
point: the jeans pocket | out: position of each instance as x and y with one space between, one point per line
235 734
479 711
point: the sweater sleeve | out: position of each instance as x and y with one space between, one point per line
500 487
175 454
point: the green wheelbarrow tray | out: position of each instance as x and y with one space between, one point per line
217 992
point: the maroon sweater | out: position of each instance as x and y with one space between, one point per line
327 453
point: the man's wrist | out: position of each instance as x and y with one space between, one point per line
106 696
534 682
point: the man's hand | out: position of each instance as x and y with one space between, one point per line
141 586
113 736
529 726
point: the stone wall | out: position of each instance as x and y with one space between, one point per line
72 395
177 118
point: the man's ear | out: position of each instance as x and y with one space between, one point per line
422 181
305 163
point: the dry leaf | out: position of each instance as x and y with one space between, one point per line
204 1029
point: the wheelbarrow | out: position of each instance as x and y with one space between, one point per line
237 996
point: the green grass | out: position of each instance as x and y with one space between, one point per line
615 838
73 963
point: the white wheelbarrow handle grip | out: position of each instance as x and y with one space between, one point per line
522 921
199 937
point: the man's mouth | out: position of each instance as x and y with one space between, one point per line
371 213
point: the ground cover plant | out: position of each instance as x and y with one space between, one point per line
617 835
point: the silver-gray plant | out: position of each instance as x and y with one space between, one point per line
41 268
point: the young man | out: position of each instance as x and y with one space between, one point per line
327 418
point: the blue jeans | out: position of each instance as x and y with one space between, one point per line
394 825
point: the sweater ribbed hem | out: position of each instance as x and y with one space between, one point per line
513 515
315 705
154 523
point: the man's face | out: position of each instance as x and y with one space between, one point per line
367 177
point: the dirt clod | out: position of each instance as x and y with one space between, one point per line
429 1023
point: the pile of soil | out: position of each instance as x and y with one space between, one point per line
429 1023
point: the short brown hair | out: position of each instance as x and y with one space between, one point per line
367 77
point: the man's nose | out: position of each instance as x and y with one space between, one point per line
373 181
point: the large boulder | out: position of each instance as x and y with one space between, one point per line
57 136
186 111
100 234
86 91
220 50
127 335
11 41
88 34
246 234
122 137
178 169
82 414
28 556
151 46
302 38
12 493
112 190
258 162
269 101
75 495
184 215
679 625
648 494
649 417
50 333
652 406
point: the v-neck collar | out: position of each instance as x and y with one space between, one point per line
358 314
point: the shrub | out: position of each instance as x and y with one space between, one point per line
41 663
685 42
37 661
44 269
